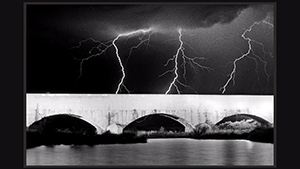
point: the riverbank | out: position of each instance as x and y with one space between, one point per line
257 135
264 135
35 139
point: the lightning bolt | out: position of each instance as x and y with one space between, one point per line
104 46
179 56
186 59
101 51
247 54
142 41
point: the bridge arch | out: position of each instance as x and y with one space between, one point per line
244 117
67 122
157 121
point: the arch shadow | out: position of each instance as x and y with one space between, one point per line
65 123
158 122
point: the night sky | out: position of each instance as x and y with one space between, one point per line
57 40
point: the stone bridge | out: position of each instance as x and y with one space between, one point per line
104 110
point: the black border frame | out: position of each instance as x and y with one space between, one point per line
114 2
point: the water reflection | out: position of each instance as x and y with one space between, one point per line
157 152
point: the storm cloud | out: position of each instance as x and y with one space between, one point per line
171 16
109 20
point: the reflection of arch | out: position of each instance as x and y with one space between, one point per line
158 121
66 122
240 117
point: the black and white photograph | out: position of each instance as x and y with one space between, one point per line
150 84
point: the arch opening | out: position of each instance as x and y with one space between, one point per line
158 122
63 123
243 121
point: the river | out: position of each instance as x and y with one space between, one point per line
169 152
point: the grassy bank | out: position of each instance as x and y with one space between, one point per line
34 139
262 135
265 135
165 134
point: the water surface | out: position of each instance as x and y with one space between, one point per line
157 152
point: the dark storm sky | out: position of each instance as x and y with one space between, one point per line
212 32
